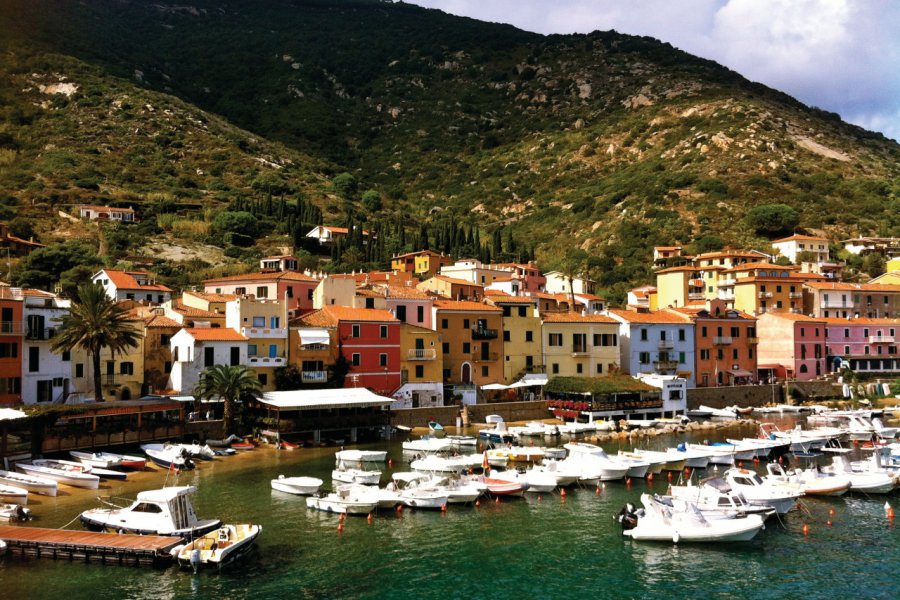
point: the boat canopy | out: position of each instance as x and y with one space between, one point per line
165 494
310 336
314 399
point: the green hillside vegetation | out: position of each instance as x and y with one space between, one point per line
420 125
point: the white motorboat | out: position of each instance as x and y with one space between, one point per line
165 511
502 487
417 497
538 429
539 482
697 413
800 440
358 457
301 486
35 485
169 456
695 459
356 476
742 450
522 454
117 461
717 454
427 445
447 465
867 477
593 468
564 474
722 413
96 459
885 433
760 492
461 440
459 490
576 428
667 460
640 423
654 466
62 471
714 495
345 501
637 467
10 494
497 434
810 481
387 497
683 522
197 450
763 448
220 547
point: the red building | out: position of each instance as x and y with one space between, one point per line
11 336
369 339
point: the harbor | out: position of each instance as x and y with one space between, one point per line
549 544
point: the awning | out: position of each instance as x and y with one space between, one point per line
741 373
315 399
309 337
216 400
529 380
8 414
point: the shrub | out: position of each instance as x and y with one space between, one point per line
773 219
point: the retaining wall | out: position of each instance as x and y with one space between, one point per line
446 415
741 395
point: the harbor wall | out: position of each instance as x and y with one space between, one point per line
446 415
811 390
741 395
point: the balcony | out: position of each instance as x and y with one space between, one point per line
421 354
264 333
881 339
727 282
40 334
112 379
314 376
481 333
666 344
753 340
696 283
481 357
696 296
795 295
764 295
665 365
580 350
314 347
722 340
267 361
834 304
11 327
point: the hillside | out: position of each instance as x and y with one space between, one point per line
607 141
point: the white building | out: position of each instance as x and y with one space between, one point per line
196 349
792 246
46 375
656 342
132 285
326 234
106 213
473 270
557 283
673 392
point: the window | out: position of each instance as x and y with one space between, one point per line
420 371
167 367
9 350
485 371
444 324
445 347
529 336
420 313
235 355
67 356
735 332
507 311
555 368
703 331
529 361
163 340
252 350
847 350
554 339
734 353
681 335
803 369
262 291
45 390
578 368
34 359
259 321
644 358
240 291
126 368
309 294
354 359
466 323
274 322
370 302
354 331
467 348
523 311
681 357
599 369
273 350
209 357
383 331
79 370
704 354
382 360
750 353
643 335
720 354
289 291
263 378
505 335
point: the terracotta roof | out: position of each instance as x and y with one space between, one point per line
853 287
589 297
793 278
659 316
343 230
760 265
270 277
693 311
215 334
346 313
364 292
160 321
420 253
405 292
507 299
211 297
317 318
190 311
454 280
809 238
105 208
860 321
126 280
667 247
683 268
792 317
727 254
464 305
278 257
32 293
573 317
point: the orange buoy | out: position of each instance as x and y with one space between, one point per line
650 477
539 498
628 482
889 511
831 511
806 530
477 503
670 475
562 493
828 522
780 460
341 517
399 508
370 518
755 460
740 464
443 508
390 462
497 500
340 528
598 490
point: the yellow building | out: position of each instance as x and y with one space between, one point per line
576 345
521 336
680 286
425 263
207 301
313 348
158 331
264 324
450 287
421 368
757 288
470 341
121 374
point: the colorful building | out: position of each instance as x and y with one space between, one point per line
852 300
757 288
264 324
471 342
313 349
46 375
295 288
660 342
792 247
452 288
791 346
424 263
576 345
121 373
521 336
132 285
196 349
11 338
421 368
863 345
158 333
680 286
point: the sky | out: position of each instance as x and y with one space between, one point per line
839 55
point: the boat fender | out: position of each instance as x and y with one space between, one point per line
176 550
675 537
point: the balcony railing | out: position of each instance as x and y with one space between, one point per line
314 347
696 296
722 340
835 304
580 349
727 282
752 340
765 295
881 339
795 295
665 365
666 344
421 354
314 376
264 332
40 334
481 333
267 361
485 356
11 327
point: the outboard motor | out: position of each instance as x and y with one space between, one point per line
195 560
627 517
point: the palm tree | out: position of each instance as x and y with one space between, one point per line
230 383
94 322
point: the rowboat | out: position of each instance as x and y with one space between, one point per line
62 471
502 487
96 459
11 494
35 485
220 547
303 486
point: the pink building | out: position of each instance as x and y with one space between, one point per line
296 288
527 275
865 345
791 346
409 304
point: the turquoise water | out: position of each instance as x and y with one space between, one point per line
547 548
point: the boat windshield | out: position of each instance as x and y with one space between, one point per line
146 507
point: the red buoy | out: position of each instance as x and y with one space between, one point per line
806 530
650 477
562 493
628 482
340 528
477 503
370 518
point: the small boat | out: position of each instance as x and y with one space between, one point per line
811 481
714 495
564 474
165 511
436 429
14 512
168 456
538 482
62 471
427 444
718 454
695 459
197 450
386 497
10 494
722 413
497 435
223 443
451 465
288 445
96 459
302 486
636 467
502 487
345 501
126 461
35 485
761 492
697 413
220 547
669 462
356 476
416 497
863 480
360 456
244 445
461 440
681 521
109 473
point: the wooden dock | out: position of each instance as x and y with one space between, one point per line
86 546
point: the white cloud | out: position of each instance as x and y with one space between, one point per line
840 55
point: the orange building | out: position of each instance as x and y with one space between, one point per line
471 341
451 287
11 338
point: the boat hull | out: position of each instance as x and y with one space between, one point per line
301 486
83 480
35 485
348 507
94 522
213 552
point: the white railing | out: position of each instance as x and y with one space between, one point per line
727 282
264 332
666 344
266 361
421 354
881 339
765 294
314 376
722 340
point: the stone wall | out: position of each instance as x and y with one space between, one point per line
446 415
741 395
811 390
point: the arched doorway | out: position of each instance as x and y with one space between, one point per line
466 373
126 393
